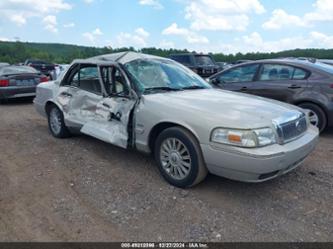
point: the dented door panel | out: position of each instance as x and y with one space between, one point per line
78 106
110 122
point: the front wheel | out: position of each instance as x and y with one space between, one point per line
179 158
56 123
316 115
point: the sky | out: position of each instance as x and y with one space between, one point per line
227 26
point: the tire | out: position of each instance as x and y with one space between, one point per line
170 155
56 123
317 115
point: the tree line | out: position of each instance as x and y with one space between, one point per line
16 52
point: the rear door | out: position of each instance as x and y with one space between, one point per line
112 117
80 93
280 81
237 79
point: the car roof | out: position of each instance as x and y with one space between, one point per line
122 57
288 61
189 54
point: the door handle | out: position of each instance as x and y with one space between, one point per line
294 87
106 105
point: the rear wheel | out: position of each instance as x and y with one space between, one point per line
316 115
179 158
56 123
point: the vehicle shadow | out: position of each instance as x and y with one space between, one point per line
18 101
328 133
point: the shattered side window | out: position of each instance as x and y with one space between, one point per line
114 81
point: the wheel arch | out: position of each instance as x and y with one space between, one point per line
50 103
310 101
160 127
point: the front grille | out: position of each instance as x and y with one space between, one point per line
292 129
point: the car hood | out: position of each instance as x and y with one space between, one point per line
215 107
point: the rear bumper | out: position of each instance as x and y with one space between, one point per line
260 164
17 92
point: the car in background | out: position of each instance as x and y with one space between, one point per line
3 64
202 64
44 67
328 62
223 65
19 81
240 62
158 106
300 82
59 69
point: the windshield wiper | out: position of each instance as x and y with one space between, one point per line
193 87
161 88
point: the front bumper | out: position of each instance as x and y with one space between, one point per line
259 164
11 92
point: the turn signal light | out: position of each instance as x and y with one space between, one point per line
4 83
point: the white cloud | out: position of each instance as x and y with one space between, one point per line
18 11
50 23
5 39
92 36
88 1
167 44
190 36
280 18
322 11
222 14
254 42
142 32
69 25
137 39
18 19
153 3
322 39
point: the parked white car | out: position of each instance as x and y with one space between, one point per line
158 106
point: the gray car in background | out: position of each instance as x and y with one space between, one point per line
305 83
158 106
19 81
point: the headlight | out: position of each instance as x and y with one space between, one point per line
244 138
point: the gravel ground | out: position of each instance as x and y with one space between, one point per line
81 189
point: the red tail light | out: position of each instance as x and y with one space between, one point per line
331 86
4 83
43 79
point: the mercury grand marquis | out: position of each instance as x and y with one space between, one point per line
158 106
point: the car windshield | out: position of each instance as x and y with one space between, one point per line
204 60
163 75
17 70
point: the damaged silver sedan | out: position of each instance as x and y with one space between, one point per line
156 105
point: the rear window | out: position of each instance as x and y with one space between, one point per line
17 70
322 66
204 60
183 59
38 62
281 72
